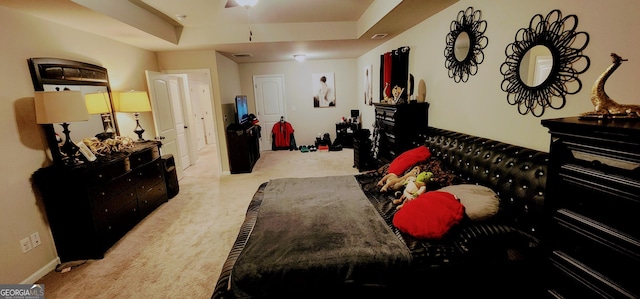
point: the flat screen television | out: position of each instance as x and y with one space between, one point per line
242 110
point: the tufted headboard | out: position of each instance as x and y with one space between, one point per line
517 174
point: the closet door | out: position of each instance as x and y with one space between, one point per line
269 96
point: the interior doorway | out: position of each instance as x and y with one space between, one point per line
198 110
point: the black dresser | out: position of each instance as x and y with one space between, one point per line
91 206
593 202
398 128
243 147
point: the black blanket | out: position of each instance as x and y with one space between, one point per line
315 232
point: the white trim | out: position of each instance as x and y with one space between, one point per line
42 272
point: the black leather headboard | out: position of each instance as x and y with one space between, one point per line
517 174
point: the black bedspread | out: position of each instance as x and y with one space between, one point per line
315 232
285 265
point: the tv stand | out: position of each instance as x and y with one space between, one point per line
243 147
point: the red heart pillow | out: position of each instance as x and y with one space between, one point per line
407 159
430 215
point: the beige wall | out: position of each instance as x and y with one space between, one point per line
306 120
479 106
23 142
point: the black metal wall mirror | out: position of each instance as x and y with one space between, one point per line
465 42
543 63
51 74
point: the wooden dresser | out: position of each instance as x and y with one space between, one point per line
91 206
399 128
243 147
593 200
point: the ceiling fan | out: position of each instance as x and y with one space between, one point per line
243 3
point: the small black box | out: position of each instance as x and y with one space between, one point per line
170 175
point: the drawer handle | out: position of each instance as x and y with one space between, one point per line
131 194
102 193
99 176
129 180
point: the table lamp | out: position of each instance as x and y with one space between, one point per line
99 103
61 107
135 102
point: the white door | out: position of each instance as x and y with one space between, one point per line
198 116
269 94
164 92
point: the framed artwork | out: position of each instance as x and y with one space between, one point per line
368 97
323 89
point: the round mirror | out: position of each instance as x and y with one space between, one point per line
461 48
465 43
536 66
543 63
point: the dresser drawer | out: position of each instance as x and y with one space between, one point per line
152 198
573 279
386 113
104 209
101 193
606 251
603 197
108 171
144 156
150 174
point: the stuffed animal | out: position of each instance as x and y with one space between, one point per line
414 187
391 180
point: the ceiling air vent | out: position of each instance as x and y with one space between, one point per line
242 55
379 36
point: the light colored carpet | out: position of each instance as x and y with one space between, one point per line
178 250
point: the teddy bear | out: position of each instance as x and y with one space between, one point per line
393 182
413 188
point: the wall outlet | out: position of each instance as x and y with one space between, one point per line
35 239
25 244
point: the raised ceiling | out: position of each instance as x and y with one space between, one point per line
326 29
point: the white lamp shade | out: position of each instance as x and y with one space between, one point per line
54 107
97 103
134 101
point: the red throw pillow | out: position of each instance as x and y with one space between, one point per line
407 159
430 215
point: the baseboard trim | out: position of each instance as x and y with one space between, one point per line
42 271
226 172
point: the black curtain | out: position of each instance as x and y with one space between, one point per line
394 71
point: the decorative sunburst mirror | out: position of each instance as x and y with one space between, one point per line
465 42
543 63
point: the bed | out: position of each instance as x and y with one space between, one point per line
320 237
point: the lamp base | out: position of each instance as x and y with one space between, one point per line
138 130
69 149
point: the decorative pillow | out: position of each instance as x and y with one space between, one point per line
480 202
407 159
430 215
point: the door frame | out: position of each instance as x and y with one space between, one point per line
210 102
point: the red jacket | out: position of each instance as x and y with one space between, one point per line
282 132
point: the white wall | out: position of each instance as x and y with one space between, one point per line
306 120
479 106
23 142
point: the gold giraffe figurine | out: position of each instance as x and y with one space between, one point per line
604 106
